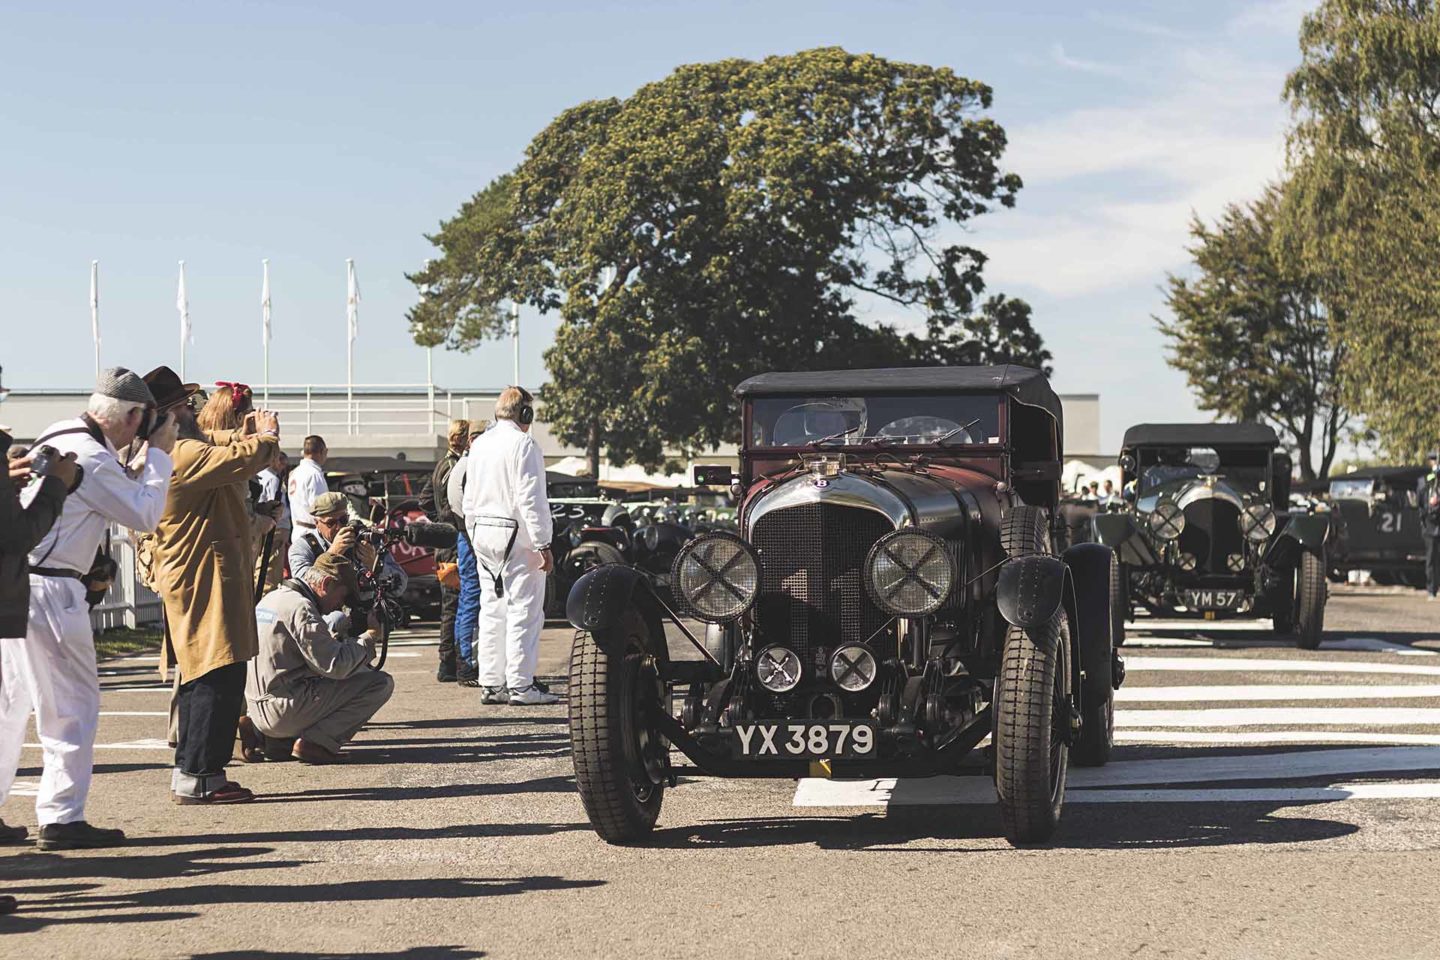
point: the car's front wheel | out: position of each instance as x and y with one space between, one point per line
621 760
1033 703
1310 594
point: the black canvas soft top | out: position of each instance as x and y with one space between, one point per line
1026 385
1200 435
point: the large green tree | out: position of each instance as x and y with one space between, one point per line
1365 152
1251 331
730 219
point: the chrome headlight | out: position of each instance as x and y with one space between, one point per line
778 669
1258 521
853 667
910 573
717 577
1167 521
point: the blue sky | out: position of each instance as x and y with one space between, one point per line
140 134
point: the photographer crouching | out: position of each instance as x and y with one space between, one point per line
336 534
311 681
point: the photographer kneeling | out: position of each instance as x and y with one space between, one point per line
334 535
312 681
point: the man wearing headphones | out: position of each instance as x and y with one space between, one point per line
508 518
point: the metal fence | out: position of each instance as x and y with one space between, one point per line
129 603
413 409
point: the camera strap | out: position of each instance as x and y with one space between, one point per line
497 575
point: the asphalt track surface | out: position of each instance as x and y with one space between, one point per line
1263 802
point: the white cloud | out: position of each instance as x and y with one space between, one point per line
1120 182
1061 58
1132 25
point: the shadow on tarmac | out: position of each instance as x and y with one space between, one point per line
1084 827
448 952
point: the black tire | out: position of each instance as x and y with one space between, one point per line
620 764
1119 601
1032 710
1097 698
1024 531
1310 593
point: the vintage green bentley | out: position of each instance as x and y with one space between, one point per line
891 600
1206 530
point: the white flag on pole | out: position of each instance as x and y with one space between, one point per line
265 303
352 300
182 303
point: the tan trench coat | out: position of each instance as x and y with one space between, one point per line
205 554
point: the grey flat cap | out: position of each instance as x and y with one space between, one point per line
123 384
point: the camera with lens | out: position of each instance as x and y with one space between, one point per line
364 533
42 459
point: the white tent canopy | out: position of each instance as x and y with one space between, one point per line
1077 472
579 467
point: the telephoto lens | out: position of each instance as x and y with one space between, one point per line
41 461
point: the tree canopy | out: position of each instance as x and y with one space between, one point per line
1365 152
1252 333
729 219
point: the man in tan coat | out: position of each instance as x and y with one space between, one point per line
204 560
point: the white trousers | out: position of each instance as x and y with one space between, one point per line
507 647
51 670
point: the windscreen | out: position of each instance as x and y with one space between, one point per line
1161 465
874 420
1351 489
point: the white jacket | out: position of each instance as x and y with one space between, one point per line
505 478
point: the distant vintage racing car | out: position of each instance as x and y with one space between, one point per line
1208 531
892 598
1376 518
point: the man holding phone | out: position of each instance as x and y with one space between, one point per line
54 662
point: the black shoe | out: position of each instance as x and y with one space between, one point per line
9 834
444 675
7 905
78 836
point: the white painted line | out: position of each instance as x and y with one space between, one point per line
135 689
817 792
1377 645
1133 642
1202 626
134 713
1291 765
1255 665
1248 738
1129 694
25 788
1280 716
148 744
1401 790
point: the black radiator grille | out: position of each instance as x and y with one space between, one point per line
812 591
1211 534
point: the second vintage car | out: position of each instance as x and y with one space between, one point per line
892 598
1375 514
1207 530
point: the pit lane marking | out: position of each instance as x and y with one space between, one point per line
1280 716
1384 790
1188 694
1360 644
1247 738
1252 665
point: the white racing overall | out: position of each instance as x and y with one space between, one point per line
508 518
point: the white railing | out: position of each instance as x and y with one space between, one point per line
359 408
129 603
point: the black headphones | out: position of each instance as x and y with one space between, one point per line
525 415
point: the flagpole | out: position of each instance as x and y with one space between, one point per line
182 304
350 321
265 322
95 311
515 327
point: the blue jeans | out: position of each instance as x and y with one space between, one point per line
467 611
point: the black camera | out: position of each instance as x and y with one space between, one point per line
41 461
364 533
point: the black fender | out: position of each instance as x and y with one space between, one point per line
1030 589
1119 532
599 599
1302 533
1090 620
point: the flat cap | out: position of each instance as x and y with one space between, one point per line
338 568
328 503
125 385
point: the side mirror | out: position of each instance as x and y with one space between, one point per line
712 475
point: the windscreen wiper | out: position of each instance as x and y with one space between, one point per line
833 436
965 429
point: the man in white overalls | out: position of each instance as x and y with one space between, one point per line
508 517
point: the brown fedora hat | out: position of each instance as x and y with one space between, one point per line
168 390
